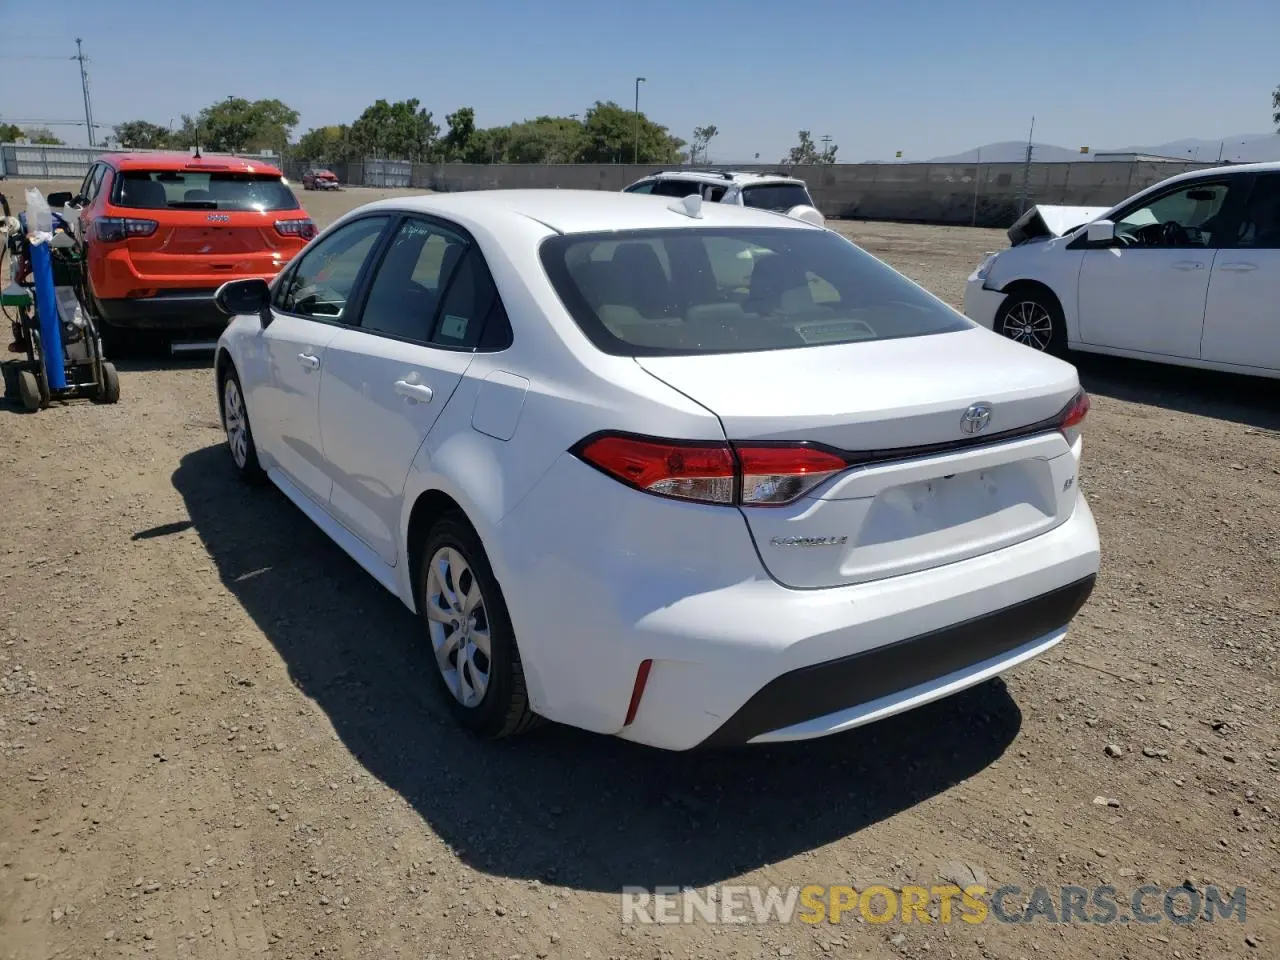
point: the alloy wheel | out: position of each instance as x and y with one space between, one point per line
458 622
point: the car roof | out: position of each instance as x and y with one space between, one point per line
581 211
725 176
175 161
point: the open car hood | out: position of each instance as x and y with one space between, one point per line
1044 220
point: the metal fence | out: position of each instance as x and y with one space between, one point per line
49 162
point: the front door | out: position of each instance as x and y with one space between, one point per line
388 380
1242 318
1146 292
307 312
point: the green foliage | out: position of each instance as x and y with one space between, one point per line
42 135
615 135
1275 108
458 144
141 135
324 144
398 131
701 141
804 152
10 132
236 125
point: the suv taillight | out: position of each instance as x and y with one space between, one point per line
305 229
762 475
115 229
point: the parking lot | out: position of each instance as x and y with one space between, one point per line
219 737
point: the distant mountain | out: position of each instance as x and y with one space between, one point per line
1238 148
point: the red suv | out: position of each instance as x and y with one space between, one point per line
163 231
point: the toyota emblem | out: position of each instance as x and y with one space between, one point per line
976 419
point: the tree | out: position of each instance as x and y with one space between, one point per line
545 140
142 135
805 153
611 137
701 140
457 145
1275 108
398 131
237 125
42 135
10 132
324 144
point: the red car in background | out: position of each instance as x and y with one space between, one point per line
162 231
320 180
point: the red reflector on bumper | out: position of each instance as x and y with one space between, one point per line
642 677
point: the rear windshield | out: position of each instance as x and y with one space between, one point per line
776 196
715 290
192 190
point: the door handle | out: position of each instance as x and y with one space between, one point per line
1188 265
1238 267
417 392
309 361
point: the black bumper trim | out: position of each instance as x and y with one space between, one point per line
835 685
179 310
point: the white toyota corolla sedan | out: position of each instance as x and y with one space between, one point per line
684 473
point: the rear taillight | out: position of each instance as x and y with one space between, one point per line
1073 413
305 229
745 474
115 229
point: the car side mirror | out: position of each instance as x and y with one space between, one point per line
1101 232
238 298
62 199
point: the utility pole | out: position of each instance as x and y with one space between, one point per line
977 178
639 80
1026 170
84 88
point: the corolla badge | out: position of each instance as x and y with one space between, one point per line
976 419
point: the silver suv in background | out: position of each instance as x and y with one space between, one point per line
764 191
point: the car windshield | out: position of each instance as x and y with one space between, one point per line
201 190
776 196
716 290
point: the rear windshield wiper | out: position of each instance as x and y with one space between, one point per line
194 204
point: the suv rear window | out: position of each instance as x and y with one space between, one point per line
731 290
201 190
776 196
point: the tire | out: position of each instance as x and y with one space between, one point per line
235 422
29 391
1033 319
485 690
109 392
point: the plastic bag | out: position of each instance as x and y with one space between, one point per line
39 216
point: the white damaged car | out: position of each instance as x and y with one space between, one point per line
1185 272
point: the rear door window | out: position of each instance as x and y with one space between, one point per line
676 188
201 190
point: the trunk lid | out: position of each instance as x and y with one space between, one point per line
922 492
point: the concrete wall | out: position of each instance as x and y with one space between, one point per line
989 194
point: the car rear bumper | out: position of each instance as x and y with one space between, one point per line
980 304
170 310
735 657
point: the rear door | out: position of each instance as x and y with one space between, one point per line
211 225
1242 316
387 381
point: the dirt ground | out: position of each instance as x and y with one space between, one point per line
218 738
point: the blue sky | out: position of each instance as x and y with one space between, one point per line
927 78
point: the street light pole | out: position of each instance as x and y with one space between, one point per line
639 80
